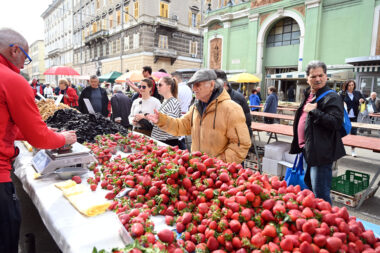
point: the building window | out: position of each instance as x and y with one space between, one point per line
193 50
136 40
110 48
194 19
118 18
126 43
163 42
104 50
97 4
118 42
136 13
104 22
284 32
114 47
164 10
111 21
98 51
126 14
94 27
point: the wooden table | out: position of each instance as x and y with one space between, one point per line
357 141
279 108
291 117
375 115
272 115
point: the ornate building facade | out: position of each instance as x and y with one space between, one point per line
111 35
275 39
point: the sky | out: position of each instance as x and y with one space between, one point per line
24 16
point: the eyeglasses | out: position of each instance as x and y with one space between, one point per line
28 60
141 87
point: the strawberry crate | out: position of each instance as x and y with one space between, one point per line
350 183
349 200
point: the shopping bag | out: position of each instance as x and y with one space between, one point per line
295 176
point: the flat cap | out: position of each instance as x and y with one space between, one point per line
202 75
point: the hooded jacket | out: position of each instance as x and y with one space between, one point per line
323 142
20 118
217 128
72 99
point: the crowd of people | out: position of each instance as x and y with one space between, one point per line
206 108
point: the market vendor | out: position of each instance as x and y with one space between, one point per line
20 120
215 122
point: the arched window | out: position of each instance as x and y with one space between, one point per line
284 32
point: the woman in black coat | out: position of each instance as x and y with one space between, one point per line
352 99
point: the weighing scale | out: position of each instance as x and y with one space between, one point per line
47 161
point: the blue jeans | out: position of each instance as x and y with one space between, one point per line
318 179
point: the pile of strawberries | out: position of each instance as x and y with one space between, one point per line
218 207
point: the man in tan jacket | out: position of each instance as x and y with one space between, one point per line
215 122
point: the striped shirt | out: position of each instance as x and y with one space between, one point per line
170 107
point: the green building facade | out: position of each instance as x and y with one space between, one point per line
275 39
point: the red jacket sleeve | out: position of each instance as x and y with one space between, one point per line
25 114
73 97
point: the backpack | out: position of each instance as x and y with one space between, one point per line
346 126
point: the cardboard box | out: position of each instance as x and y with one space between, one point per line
276 150
271 167
348 200
289 157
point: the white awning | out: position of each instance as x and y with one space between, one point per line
333 75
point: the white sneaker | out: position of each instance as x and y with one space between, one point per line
353 154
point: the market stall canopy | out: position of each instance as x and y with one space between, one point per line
157 75
109 77
134 76
61 70
244 78
333 75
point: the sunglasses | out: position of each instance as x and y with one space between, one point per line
28 60
141 87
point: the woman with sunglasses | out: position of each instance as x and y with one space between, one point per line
168 88
142 107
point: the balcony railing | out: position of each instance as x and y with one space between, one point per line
99 35
165 53
168 22
55 51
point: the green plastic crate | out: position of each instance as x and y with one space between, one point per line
350 183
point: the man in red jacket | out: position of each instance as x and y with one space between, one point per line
19 120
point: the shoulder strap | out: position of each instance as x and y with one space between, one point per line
323 94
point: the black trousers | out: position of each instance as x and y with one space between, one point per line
354 130
10 218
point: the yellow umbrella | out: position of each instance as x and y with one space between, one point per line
244 78
135 76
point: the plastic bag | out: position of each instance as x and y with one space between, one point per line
295 176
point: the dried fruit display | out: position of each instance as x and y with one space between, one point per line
47 108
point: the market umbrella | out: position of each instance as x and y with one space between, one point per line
109 77
135 76
244 78
157 75
61 70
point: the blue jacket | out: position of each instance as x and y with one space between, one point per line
254 100
271 103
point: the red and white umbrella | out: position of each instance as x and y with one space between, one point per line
61 71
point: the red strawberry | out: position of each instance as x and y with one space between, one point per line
77 179
137 230
244 231
166 235
212 243
333 244
186 218
286 244
235 225
269 230
93 187
189 246
267 215
258 240
236 243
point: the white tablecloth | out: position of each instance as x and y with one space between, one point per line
72 231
